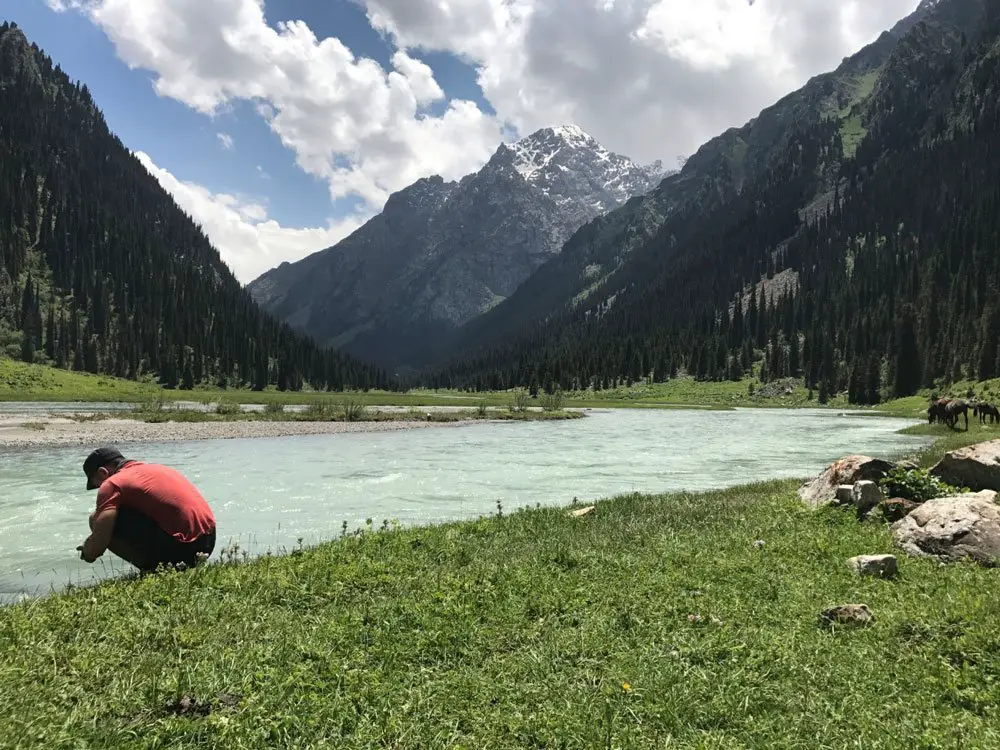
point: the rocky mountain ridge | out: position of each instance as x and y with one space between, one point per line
441 253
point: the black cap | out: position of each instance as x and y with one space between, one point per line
100 457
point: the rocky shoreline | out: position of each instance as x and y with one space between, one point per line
53 432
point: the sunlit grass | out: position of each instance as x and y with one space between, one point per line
523 631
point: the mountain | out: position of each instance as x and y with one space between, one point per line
441 253
870 194
101 271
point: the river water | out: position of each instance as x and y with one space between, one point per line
269 493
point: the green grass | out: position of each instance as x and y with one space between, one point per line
852 132
523 631
23 382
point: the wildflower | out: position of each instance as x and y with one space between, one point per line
626 687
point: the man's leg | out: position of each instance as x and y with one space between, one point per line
135 539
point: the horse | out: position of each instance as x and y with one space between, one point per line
983 410
947 411
935 412
953 409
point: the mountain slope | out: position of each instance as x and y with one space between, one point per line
101 271
854 186
441 253
715 174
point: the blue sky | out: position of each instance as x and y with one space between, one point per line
184 141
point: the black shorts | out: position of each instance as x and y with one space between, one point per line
153 546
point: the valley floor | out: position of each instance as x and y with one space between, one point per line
683 620
20 382
650 622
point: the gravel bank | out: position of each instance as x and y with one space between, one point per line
19 432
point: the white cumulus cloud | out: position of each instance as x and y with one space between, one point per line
653 79
361 128
248 241
226 140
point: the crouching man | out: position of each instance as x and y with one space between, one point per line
146 514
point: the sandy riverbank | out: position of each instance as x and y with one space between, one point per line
22 432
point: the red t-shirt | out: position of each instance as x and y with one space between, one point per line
163 494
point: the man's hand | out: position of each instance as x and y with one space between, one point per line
102 525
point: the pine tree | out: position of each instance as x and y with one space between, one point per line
907 357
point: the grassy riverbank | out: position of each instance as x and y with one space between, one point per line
23 382
652 622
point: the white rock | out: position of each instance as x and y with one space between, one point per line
865 495
976 467
880 566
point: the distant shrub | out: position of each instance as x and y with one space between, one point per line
227 408
151 405
552 401
481 409
520 401
319 409
918 485
274 407
354 411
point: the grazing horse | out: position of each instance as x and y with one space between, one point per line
984 410
935 412
953 409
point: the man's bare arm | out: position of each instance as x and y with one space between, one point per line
100 535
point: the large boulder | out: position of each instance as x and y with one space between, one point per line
952 528
848 470
976 467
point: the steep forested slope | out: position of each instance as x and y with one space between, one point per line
886 212
99 268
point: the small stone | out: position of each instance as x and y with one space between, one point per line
229 699
759 544
880 566
856 615
845 494
865 495
582 511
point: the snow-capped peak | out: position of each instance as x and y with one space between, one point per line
574 134
566 163
533 153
